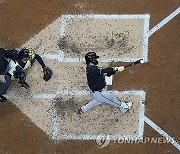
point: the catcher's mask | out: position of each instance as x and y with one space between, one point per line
29 54
91 57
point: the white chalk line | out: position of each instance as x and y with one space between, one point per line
162 132
163 22
55 135
84 92
104 16
141 114
60 58
145 41
56 126
63 27
95 137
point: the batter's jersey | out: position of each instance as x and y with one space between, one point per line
96 76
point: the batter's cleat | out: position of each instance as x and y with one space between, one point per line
126 106
3 99
24 85
80 110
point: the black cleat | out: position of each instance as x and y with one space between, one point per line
80 110
3 99
25 85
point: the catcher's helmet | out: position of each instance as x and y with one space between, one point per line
91 57
26 53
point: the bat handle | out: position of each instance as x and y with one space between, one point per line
128 65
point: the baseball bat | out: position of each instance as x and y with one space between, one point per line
134 63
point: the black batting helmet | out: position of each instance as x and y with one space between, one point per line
91 57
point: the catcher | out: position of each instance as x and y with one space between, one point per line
26 58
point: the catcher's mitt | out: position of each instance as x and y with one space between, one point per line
47 73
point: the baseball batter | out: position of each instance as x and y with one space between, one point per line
97 85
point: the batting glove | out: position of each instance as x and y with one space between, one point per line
119 69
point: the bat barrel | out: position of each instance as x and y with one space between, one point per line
134 63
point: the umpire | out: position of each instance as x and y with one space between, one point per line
5 80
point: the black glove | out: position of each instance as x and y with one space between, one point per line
47 73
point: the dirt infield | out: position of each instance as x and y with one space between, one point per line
20 20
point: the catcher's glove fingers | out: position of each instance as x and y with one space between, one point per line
119 69
47 73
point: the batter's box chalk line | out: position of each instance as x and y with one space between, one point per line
55 132
61 58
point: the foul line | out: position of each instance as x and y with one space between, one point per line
160 131
163 22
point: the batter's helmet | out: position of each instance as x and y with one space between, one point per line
91 57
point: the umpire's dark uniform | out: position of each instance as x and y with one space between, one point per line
4 55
